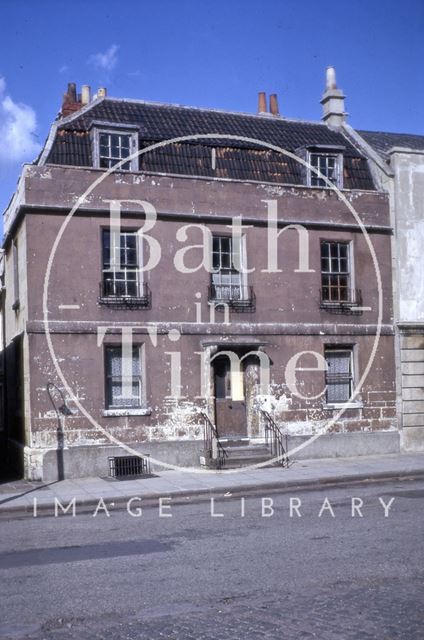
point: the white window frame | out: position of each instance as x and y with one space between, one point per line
338 182
347 404
351 265
138 270
129 409
133 135
243 288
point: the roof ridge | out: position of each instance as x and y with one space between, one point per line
268 117
392 133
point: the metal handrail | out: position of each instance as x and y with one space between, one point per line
275 439
210 433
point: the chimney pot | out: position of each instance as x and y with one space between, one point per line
331 78
262 102
333 105
102 92
85 94
273 104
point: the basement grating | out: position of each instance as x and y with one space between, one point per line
128 466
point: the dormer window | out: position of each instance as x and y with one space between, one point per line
112 146
329 162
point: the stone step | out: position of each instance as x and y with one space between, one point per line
234 441
247 452
241 455
236 463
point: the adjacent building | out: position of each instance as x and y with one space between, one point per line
397 161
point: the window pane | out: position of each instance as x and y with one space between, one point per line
225 261
115 147
338 392
225 244
334 249
343 250
113 361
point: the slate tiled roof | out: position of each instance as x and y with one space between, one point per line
382 141
234 159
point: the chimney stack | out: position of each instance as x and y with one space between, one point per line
70 102
273 104
262 102
333 106
72 92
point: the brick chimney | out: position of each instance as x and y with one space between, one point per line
71 102
333 106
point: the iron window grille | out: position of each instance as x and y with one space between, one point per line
339 375
123 387
330 165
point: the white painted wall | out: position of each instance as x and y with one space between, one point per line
408 200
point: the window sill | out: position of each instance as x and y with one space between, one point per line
137 411
342 405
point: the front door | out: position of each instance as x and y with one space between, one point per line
230 407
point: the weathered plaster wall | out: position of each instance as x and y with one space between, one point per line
409 206
81 361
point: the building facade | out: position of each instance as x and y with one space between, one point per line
214 285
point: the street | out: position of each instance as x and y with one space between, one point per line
190 575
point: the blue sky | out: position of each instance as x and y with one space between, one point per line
210 53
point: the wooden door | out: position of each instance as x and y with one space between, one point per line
230 407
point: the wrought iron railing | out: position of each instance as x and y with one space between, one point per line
340 300
212 445
125 294
238 297
275 440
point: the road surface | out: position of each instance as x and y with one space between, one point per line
264 574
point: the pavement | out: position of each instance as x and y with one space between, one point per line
18 497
